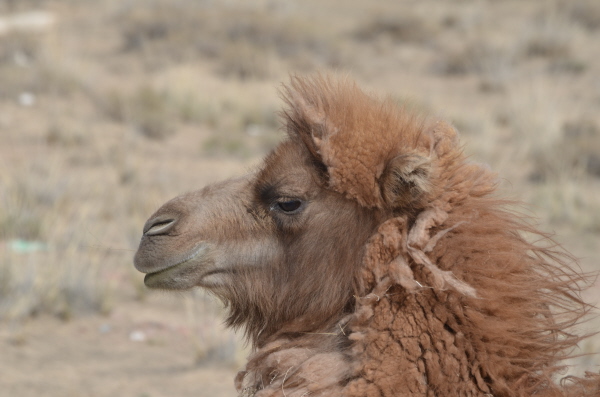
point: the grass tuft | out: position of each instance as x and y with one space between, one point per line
240 41
584 12
577 151
405 28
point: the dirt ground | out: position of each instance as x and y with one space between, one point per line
101 356
110 108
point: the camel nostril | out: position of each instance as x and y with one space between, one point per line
159 225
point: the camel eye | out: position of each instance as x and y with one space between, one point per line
290 206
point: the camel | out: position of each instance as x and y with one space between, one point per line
369 257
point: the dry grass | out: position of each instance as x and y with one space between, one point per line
399 29
212 343
242 41
477 57
148 110
549 36
45 267
576 152
584 12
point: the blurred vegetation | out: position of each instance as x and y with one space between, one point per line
241 39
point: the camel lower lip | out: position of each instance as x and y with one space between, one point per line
182 275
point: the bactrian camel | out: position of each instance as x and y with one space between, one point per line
368 257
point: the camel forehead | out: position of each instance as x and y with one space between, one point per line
290 170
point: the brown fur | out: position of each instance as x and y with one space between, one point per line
399 273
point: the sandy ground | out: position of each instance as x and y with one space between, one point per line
104 356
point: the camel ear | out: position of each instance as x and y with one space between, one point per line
306 121
406 181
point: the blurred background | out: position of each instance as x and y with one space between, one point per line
110 107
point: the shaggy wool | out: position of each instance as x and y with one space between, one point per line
452 300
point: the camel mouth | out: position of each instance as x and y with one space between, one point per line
184 274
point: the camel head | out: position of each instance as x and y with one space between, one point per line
271 242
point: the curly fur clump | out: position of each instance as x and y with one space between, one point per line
450 299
